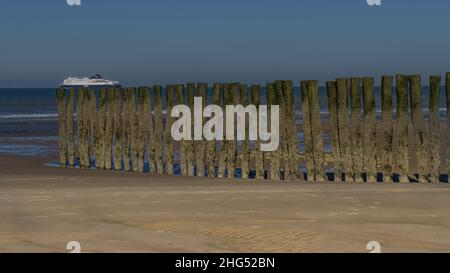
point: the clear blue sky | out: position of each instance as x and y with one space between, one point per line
160 41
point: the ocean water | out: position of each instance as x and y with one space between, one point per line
28 121
28 118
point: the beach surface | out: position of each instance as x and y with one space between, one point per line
43 208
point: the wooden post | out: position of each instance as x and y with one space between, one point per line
420 134
212 156
387 140
244 155
201 144
370 151
62 112
434 128
401 129
127 128
134 131
312 130
100 159
147 118
87 121
118 128
224 145
282 152
184 144
144 121
308 141
189 144
79 114
291 131
333 129
158 130
356 128
109 129
83 130
258 154
93 121
232 144
447 94
316 131
274 156
69 127
169 146
138 165
344 130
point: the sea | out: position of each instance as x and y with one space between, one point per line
28 118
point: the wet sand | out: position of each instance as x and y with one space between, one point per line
43 208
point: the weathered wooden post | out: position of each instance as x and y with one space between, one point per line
118 128
291 131
244 155
184 145
316 131
100 158
127 96
201 144
258 154
93 121
79 119
134 131
212 155
62 112
386 120
273 156
83 130
312 130
144 121
401 128
70 129
308 142
138 165
370 150
232 143
344 130
333 129
159 166
434 128
151 133
189 147
419 127
283 149
226 99
109 129
87 119
356 128
169 145
447 94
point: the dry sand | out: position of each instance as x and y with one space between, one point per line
43 208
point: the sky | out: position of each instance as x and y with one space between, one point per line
145 42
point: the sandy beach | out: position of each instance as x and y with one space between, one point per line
43 208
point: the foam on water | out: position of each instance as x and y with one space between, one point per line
29 116
28 146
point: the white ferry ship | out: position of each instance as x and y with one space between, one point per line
95 80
